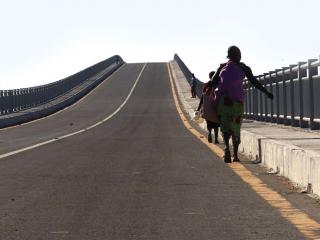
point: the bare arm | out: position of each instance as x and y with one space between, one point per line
200 103
253 80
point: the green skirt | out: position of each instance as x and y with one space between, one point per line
230 114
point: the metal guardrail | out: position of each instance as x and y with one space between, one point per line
18 99
296 91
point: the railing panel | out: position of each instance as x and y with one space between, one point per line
296 91
18 99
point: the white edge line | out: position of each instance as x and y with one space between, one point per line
82 130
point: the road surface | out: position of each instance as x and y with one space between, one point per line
139 175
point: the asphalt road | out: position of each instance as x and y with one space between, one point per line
140 175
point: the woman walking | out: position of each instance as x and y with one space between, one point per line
230 97
208 92
193 86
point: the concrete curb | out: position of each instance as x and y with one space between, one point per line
300 166
59 103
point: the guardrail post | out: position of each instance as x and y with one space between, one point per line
27 92
262 110
302 123
8 101
265 98
278 120
247 100
27 96
316 95
14 100
39 95
20 99
250 101
255 103
294 122
10 93
1 102
271 102
43 93
260 105
284 96
311 71
33 97
17 100
23 98
5 102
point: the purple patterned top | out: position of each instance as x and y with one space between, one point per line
231 79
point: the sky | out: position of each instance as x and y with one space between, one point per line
43 41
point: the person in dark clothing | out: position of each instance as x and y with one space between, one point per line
230 96
207 89
234 52
193 86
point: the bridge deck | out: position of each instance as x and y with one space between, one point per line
139 175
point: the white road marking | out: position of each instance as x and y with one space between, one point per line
60 232
82 130
192 213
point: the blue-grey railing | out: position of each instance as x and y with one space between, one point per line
18 99
296 91
188 74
